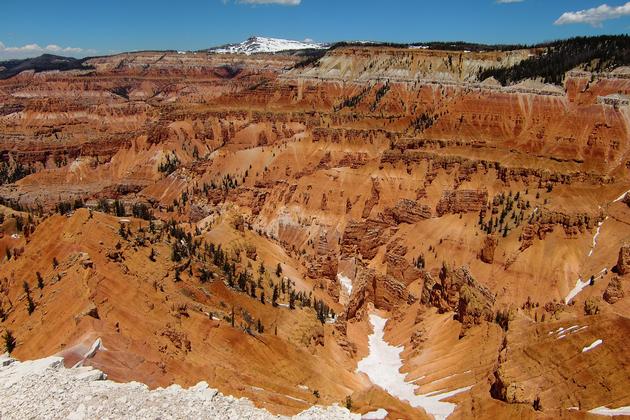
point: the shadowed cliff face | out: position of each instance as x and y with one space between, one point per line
464 211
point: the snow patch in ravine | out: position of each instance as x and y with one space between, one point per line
96 346
597 232
346 283
581 285
621 197
610 412
562 332
592 346
382 365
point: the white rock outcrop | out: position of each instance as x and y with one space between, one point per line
44 388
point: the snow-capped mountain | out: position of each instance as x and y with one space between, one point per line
259 44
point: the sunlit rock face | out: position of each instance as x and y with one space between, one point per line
241 219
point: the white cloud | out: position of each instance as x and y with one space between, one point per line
509 1
594 16
33 50
281 2
54 48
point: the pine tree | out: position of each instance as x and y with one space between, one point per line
274 299
30 304
242 281
9 341
40 281
122 231
119 208
278 270
204 275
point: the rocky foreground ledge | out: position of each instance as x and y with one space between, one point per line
44 388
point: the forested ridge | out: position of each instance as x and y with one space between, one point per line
554 59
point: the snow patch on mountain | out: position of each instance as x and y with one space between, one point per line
593 345
258 44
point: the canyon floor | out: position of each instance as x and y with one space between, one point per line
375 228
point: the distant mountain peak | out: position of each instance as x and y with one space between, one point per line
259 44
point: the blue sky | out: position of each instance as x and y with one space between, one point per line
80 27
